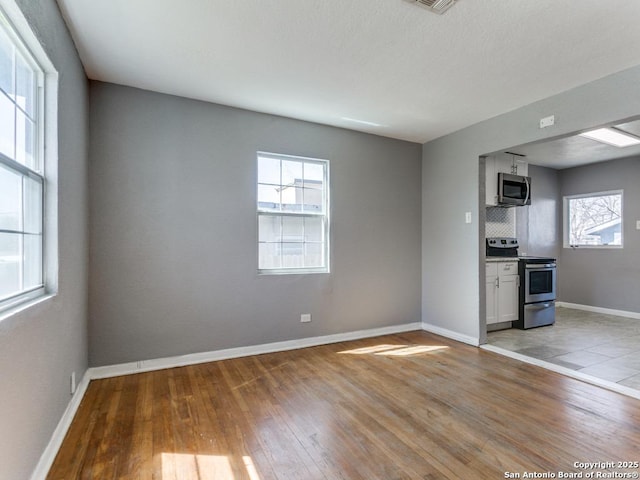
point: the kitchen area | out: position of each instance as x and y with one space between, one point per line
559 302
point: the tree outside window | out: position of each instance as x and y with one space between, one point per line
594 219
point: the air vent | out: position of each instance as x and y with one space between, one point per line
436 6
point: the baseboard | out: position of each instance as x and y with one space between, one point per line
50 452
607 311
204 357
616 387
450 334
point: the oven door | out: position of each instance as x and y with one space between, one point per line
540 282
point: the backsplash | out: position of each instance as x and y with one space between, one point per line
501 222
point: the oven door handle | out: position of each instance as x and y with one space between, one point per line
532 266
537 306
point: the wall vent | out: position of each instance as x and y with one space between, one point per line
436 6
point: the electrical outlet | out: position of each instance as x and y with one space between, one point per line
73 383
305 318
467 217
547 121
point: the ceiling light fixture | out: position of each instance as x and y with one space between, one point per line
612 136
436 6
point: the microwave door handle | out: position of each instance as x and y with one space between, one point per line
526 181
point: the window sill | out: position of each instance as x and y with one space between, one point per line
594 247
20 307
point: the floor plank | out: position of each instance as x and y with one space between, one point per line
405 406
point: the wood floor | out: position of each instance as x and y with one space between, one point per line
406 406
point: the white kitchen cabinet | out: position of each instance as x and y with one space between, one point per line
495 165
503 282
491 185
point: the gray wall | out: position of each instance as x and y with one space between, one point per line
451 286
173 229
539 225
40 347
607 278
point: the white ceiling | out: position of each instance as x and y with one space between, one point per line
574 150
415 74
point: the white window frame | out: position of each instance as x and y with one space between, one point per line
15 25
566 227
325 268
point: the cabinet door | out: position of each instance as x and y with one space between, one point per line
491 182
522 167
508 298
492 300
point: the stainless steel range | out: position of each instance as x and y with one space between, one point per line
537 293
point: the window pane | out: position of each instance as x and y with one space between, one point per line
25 86
7 126
293 255
32 206
292 229
291 173
25 140
268 197
10 260
32 261
269 228
314 229
314 255
268 170
269 255
292 199
10 200
313 174
313 200
6 63
595 220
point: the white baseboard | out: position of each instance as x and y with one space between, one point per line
607 311
450 334
50 452
204 357
616 387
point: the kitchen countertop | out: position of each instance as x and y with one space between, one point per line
502 259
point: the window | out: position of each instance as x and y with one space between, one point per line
593 220
22 178
293 214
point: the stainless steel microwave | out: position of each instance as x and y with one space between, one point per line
513 190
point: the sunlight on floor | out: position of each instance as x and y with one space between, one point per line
184 466
395 350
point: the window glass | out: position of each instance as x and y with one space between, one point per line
292 214
21 180
594 220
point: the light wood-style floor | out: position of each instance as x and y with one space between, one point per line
406 406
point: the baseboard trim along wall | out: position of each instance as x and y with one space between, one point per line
204 357
50 452
427 327
607 311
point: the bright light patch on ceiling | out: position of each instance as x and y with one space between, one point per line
611 136
363 122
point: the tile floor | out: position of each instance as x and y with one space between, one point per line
603 346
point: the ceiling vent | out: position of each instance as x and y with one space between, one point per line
436 6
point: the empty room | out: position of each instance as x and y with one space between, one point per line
260 240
